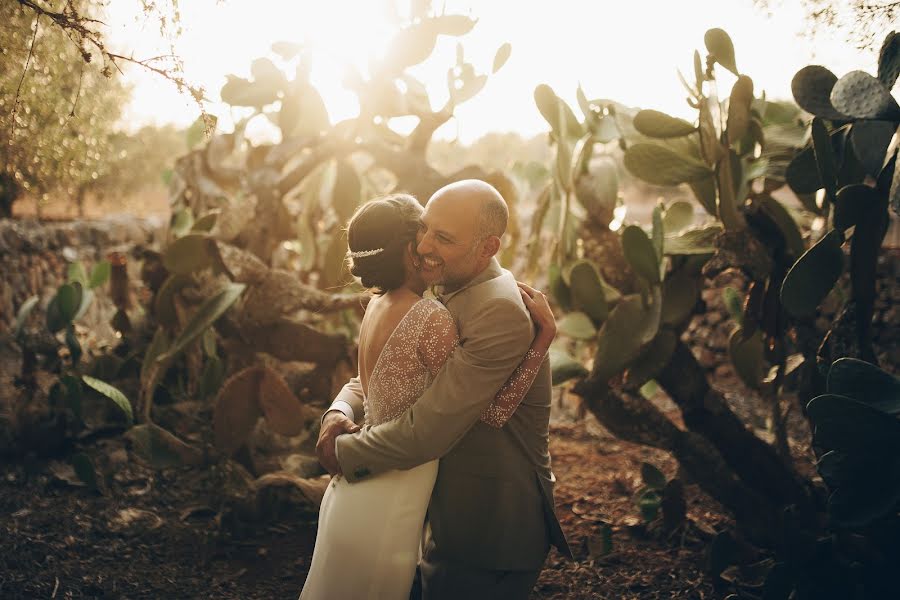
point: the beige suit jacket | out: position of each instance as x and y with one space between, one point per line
492 505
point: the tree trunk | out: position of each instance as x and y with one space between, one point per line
635 419
705 411
79 200
9 193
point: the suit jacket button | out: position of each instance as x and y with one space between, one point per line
361 472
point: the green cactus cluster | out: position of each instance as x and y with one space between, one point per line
852 158
75 378
857 429
731 145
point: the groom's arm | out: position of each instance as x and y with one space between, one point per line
338 420
493 343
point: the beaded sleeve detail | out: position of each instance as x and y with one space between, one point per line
399 376
414 353
439 338
510 395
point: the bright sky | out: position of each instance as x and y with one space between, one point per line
628 51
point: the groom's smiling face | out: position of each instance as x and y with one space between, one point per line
448 248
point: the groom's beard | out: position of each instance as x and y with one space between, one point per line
449 279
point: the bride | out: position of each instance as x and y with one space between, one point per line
369 532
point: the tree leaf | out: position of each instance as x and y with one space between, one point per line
160 449
207 314
811 87
802 173
113 394
68 298
661 166
84 468
813 275
164 303
652 477
188 254
237 409
859 95
734 304
100 274
705 193
266 73
658 232
786 224
842 423
181 222
76 273
889 60
869 499
559 290
347 190
283 411
865 383
870 141
452 25
630 325
23 314
679 215
656 124
563 367
577 325
73 345
739 109
640 253
587 291
719 45
158 345
652 360
681 292
501 56
825 161
746 352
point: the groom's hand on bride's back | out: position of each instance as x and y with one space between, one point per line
334 423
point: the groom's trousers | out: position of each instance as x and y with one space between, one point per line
446 580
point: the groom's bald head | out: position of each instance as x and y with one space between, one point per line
481 201
461 229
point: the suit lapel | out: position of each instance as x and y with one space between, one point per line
492 271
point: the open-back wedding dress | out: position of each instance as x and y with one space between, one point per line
369 532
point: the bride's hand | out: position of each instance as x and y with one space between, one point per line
536 303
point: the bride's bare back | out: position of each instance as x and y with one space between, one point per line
401 339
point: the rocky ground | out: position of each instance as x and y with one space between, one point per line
159 534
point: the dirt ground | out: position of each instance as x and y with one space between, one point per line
154 534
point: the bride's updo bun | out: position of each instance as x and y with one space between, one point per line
377 235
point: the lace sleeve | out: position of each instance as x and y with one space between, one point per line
438 339
510 395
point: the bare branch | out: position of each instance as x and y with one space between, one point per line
84 32
12 122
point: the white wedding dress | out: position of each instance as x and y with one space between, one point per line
369 532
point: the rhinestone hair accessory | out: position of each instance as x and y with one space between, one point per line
363 253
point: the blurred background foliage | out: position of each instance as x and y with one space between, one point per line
246 315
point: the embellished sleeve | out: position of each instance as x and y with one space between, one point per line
510 395
439 338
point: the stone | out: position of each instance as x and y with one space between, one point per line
707 358
70 254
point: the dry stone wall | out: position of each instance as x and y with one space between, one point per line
34 258
708 333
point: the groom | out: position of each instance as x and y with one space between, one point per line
491 515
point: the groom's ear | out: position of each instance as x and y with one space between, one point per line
490 246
